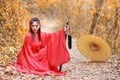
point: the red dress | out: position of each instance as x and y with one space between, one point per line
43 57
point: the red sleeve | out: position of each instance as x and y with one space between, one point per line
26 53
57 51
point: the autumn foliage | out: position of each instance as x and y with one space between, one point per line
15 14
12 29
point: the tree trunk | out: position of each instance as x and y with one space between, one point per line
116 26
95 16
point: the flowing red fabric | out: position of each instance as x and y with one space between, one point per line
43 57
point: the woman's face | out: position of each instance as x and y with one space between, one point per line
35 26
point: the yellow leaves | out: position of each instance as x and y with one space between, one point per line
119 23
8 25
111 3
20 32
59 1
93 11
21 12
1 9
16 15
5 60
1 57
109 7
7 53
70 8
0 35
76 12
108 16
12 49
13 54
118 53
4 16
12 31
43 5
92 2
114 3
50 2
15 5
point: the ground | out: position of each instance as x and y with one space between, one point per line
78 68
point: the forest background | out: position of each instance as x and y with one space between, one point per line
97 17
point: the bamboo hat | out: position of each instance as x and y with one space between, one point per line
94 48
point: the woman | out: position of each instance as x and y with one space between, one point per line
42 52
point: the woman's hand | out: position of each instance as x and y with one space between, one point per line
66 27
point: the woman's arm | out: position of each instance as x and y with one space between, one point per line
57 51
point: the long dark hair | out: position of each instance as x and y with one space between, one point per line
39 30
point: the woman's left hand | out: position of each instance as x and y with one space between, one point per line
66 27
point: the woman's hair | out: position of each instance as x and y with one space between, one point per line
35 19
